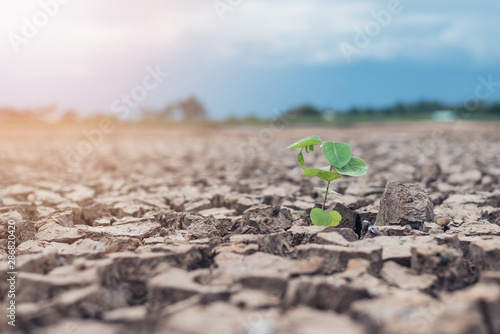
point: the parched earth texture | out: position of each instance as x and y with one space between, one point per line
206 230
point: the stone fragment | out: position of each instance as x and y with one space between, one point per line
405 204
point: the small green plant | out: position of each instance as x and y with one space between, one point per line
341 163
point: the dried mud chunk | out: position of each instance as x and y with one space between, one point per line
405 204
392 314
324 293
469 177
22 230
304 234
93 212
200 319
175 285
485 254
139 230
331 238
88 302
240 204
199 205
348 216
304 320
254 299
405 278
265 219
53 232
444 262
429 172
81 326
268 280
35 287
337 257
64 218
209 227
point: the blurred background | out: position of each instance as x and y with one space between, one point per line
247 61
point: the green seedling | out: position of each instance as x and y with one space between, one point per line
339 155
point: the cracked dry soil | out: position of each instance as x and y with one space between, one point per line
206 230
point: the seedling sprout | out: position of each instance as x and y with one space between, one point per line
339 155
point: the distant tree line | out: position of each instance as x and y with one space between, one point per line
402 109
189 109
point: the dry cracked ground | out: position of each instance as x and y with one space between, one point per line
206 230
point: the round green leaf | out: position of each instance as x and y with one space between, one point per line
323 175
338 154
320 217
312 140
355 167
336 218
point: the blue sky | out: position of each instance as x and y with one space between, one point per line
247 56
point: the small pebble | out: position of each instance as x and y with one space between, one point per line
373 230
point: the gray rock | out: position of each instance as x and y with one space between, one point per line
405 204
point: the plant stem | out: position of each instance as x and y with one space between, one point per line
326 194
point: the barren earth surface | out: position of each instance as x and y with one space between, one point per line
206 230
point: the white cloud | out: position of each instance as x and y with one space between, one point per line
93 50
